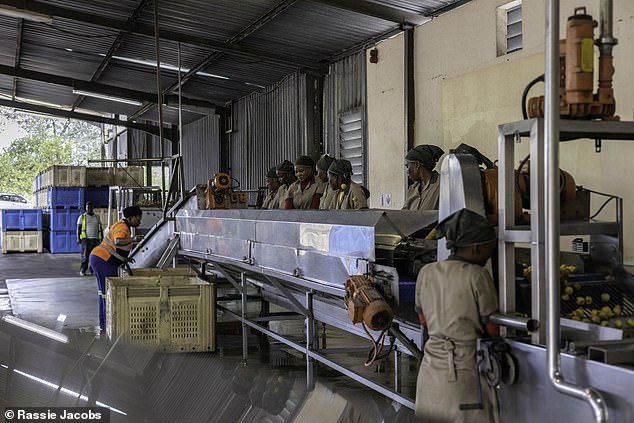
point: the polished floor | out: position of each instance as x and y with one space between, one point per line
141 385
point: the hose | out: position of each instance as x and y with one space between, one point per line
540 78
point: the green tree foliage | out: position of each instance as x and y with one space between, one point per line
49 141
27 156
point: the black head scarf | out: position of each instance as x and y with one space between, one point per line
464 228
427 155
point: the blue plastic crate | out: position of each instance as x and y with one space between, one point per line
62 219
22 220
98 196
57 197
63 242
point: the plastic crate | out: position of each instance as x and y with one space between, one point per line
131 176
170 313
156 272
21 241
62 219
63 242
64 176
99 176
21 220
37 182
57 197
98 196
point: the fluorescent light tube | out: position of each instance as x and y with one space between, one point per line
14 12
108 97
40 330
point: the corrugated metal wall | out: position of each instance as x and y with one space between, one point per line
268 127
201 150
344 90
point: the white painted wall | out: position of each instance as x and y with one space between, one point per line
386 124
464 91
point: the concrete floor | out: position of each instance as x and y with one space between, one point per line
141 385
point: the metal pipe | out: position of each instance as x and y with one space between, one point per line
606 40
243 314
310 327
515 322
159 95
551 155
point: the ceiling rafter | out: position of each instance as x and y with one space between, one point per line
99 88
18 55
381 11
113 48
257 24
167 35
167 131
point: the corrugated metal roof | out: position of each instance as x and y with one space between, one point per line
260 42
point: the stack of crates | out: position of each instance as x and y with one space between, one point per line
168 312
21 231
62 198
62 192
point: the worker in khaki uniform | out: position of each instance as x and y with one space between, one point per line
348 194
273 184
113 251
285 172
454 299
306 192
425 188
322 166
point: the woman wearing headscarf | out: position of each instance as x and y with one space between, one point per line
322 166
348 194
454 299
273 184
285 172
304 193
420 162
113 251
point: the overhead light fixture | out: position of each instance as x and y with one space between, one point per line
14 12
40 330
108 97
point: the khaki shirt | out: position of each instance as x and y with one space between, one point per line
269 201
328 199
454 296
352 198
302 199
425 198
280 197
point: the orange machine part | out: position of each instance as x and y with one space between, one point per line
576 75
490 192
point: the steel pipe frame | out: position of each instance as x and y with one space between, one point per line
551 156
315 355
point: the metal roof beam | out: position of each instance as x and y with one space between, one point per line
257 24
18 54
113 48
96 87
148 30
380 11
167 131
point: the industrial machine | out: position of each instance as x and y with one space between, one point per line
220 195
576 63
148 198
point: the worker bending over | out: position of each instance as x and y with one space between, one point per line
348 194
306 192
454 298
113 251
420 162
